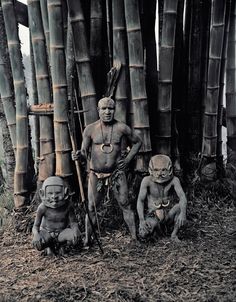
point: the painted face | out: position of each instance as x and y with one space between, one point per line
54 196
106 110
53 192
160 168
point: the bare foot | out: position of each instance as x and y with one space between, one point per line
49 252
175 239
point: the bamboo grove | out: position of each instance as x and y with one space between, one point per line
176 86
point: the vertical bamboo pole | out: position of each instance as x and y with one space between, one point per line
6 84
209 143
8 152
120 50
83 62
231 102
194 80
108 27
221 91
58 65
44 13
150 10
140 122
34 97
47 156
95 45
164 104
20 185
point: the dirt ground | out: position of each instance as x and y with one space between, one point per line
202 268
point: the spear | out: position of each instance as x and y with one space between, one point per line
71 126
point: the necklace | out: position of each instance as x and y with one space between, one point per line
106 147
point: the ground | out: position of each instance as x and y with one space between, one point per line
202 268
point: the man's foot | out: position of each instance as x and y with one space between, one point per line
49 252
175 239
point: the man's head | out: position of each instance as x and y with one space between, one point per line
106 109
54 194
160 168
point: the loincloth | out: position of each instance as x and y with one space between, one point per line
161 210
107 181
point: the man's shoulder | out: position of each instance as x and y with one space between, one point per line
147 180
91 127
122 126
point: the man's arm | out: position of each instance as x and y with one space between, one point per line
135 143
38 219
182 200
86 142
141 199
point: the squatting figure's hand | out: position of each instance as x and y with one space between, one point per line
144 227
181 219
76 235
38 242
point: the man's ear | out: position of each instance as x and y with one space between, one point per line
41 193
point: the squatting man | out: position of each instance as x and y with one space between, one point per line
103 144
155 193
55 224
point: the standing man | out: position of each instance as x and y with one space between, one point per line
103 143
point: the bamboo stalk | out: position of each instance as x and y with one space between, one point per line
83 63
20 185
212 95
57 55
140 122
47 156
108 27
44 13
6 84
164 104
221 90
194 81
120 50
95 45
231 102
8 152
34 97
70 61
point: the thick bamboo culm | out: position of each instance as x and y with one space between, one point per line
47 155
139 106
34 97
20 185
194 57
70 60
95 45
166 59
58 68
6 84
231 91
120 49
108 27
213 79
83 62
44 14
221 89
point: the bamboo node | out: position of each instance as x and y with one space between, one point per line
18 82
21 117
61 121
32 1
54 4
88 95
6 98
9 43
23 147
136 66
118 28
210 136
38 38
82 60
211 113
133 29
62 151
59 46
76 19
59 86
42 76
